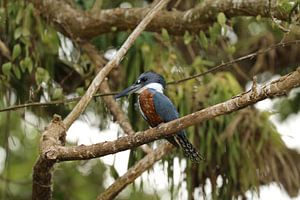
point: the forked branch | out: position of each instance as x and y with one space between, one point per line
50 143
276 88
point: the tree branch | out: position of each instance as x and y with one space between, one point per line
50 142
111 104
89 24
142 165
53 136
276 88
81 105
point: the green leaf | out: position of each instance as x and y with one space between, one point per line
80 91
165 34
50 38
187 38
57 93
231 49
18 32
26 64
203 40
258 17
20 16
29 64
17 71
23 66
113 172
221 19
27 22
25 31
41 75
214 32
16 51
6 67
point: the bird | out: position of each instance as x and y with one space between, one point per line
156 108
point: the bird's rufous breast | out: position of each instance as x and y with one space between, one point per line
147 106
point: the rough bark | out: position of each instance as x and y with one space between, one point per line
276 88
79 24
52 137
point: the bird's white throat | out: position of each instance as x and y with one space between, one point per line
156 86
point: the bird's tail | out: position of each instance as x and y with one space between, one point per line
188 148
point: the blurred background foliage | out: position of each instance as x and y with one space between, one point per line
243 149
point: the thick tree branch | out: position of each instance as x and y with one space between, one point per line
142 165
55 132
86 25
276 88
53 136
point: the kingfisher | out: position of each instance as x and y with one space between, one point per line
157 108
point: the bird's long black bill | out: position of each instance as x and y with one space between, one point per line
128 91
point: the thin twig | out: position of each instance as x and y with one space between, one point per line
214 69
226 64
56 102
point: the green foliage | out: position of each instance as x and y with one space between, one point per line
242 148
288 106
16 51
6 67
165 35
41 75
221 18
79 181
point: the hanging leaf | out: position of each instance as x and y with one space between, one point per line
80 91
28 63
113 172
17 71
231 49
187 38
27 21
221 18
57 93
41 75
18 32
20 16
6 67
203 40
165 35
16 51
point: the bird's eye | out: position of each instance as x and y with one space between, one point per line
144 79
141 80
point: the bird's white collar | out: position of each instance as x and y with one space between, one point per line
156 86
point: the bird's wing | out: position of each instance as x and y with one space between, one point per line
167 112
164 107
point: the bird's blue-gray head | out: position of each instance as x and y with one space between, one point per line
145 80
